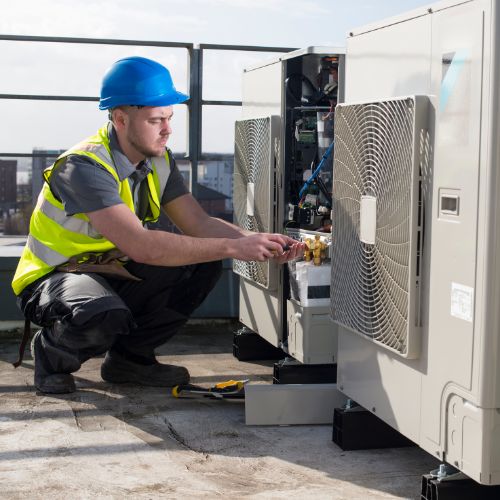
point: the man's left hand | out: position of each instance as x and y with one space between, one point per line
291 252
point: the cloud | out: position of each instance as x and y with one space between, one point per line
93 18
299 7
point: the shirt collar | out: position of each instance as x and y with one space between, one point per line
124 167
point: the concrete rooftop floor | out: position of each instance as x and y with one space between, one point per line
123 441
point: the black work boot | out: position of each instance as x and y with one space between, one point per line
46 382
119 370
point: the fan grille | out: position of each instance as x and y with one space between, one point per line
374 284
254 164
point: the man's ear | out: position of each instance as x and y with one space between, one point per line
119 118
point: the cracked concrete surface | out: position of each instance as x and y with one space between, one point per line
121 441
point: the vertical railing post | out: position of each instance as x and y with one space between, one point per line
195 113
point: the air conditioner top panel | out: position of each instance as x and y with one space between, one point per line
425 10
319 50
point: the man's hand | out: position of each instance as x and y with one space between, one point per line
265 246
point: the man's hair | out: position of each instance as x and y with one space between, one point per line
110 111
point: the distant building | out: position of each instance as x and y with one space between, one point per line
8 184
42 158
213 202
218 174
184 167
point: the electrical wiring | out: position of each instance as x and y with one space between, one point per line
317 171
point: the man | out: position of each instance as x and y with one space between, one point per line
94 273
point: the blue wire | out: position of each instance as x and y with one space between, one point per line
317 171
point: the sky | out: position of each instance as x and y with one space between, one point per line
48 68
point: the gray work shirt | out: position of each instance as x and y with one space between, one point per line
83 185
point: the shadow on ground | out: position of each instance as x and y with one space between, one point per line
251 459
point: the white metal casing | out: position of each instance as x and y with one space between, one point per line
260 308
310 338
263 310
447 400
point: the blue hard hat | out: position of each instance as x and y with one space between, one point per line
138 81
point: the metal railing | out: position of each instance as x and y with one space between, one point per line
195 103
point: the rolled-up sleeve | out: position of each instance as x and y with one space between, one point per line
83 185
175 186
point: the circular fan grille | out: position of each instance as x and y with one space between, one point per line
252 161
373 157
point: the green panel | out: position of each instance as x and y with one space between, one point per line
223 300
8 308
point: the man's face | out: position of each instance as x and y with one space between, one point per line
147 129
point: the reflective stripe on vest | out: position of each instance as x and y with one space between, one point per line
55 237
73 224
43 252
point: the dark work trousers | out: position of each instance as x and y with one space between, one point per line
84 315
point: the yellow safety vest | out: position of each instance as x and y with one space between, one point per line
55 237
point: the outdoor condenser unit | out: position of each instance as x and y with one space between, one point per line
285 131
416 239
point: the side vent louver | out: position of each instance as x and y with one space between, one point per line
377 220
254 190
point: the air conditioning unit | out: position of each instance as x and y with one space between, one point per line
286 128
416 238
